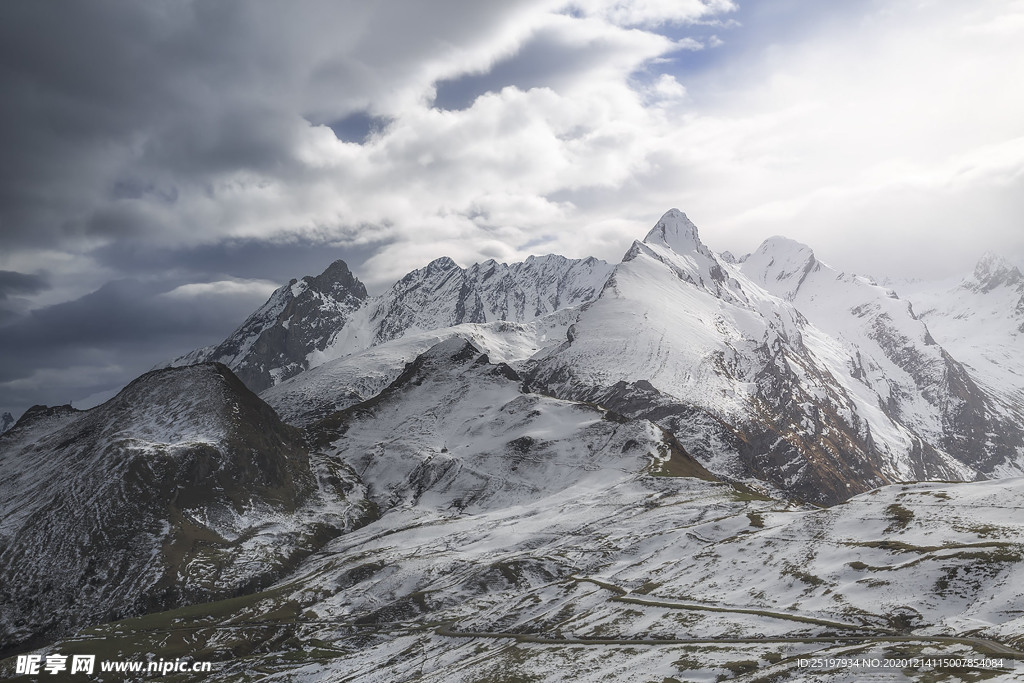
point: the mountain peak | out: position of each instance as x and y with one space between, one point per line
781 265
993 271
778 243
677 232
338 279
443 263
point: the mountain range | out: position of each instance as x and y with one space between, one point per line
775 369
484 473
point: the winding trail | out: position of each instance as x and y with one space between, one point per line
877 635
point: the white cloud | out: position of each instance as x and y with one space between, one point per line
257 289
653 13
865 139
838 138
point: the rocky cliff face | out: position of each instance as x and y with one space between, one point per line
298 320
979 320
442 294
890 351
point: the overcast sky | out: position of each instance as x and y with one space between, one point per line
164 165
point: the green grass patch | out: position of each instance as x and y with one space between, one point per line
739 668
899 517
801 575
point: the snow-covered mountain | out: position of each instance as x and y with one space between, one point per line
6 422
979 319
455 431
889 350
311 321
774 367
359 376
299 319
183 488
187 488
779 368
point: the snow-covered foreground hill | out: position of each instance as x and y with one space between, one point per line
641 578
184 488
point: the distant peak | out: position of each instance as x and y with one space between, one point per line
454 348
338 266
443 263
778 244
677 232
336 277
993 271
781 265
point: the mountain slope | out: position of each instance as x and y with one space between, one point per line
359 376
739 375
980 320
183 488
636 579
455 431
881 349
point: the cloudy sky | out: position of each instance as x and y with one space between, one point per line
166 164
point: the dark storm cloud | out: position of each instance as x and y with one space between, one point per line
12 282
108 99
123 126
14 288
68 90
123 314
103 97
241 259
102 340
